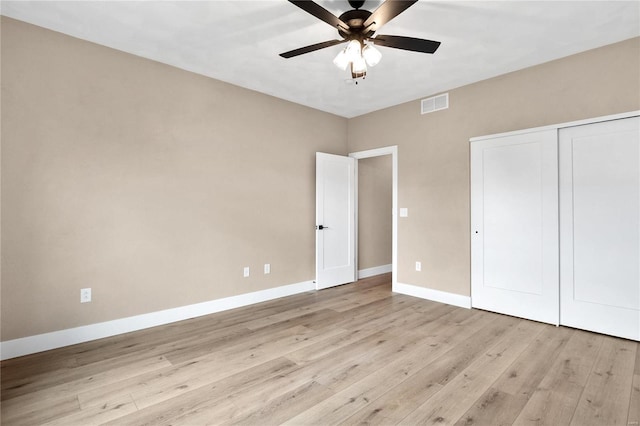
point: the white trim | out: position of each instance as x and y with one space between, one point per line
57 339
376 270
560 126
435 295
378 152
355 219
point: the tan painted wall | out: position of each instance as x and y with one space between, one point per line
155 186
374 212
433 149
151 185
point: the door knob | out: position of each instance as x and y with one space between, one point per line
321 227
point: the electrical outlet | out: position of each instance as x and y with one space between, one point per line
245 271
267 268
418 266
85 295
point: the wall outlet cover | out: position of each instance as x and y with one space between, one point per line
85 295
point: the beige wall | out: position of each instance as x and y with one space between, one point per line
433 149
374 211
151 185
155 186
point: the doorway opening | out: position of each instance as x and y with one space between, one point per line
373 253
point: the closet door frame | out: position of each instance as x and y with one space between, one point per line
476 217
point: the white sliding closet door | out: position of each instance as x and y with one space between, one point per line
600 227
514 225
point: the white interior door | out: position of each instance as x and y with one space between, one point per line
600 227
335 220
514 225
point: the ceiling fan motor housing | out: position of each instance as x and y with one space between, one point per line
355 20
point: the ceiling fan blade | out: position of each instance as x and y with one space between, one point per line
406 43
321 13
311 48
386 12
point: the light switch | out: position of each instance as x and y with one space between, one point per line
404 212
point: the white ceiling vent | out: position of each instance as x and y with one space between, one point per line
435 103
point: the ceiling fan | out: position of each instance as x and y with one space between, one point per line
357 27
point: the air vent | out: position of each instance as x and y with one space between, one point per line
435 103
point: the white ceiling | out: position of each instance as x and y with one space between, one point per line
239 41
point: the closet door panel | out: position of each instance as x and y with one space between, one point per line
600 227
512 217
514 220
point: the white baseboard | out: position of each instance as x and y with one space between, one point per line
434 295
376 270
57 339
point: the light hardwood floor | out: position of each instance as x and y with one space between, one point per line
351 354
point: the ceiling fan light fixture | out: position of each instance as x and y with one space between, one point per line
371 55
353 50
358 68
342 60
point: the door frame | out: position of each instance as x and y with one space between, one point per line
379 152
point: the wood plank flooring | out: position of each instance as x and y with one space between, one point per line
354 354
